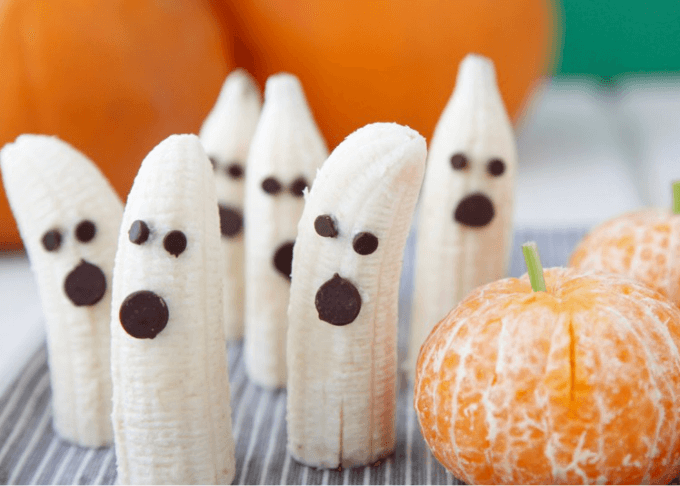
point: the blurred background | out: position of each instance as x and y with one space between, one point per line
592 85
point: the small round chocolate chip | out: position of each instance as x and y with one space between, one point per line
475 210
271 186
365 243
283 259
298 186
325 226
338 301
51 240
495 167
139 232
175 242
231 221
143 314
85 231
85 285
213 162
459 161
235 170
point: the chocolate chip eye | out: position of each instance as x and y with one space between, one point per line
175 242
52 240
139 232
271 186
495 167
459 161
298 186
235 170
213 162
85 231
365 243
325 226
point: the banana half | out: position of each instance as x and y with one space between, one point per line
226 134
465 220
342 337
171 411
285 153
69 216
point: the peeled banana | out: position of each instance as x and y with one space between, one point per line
465 220
285 153
69 215
342 336
226 134
171 410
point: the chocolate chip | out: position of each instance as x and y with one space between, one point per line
231 221
85 231
365 243
459 161
325 226
85 284
298 186
476 210
143 314
52 240
338 301
495 167
175 242
213 162
283 259
139 232
235 170
271 186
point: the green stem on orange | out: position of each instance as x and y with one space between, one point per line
534 267
676 197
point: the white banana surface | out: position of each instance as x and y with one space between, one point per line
342 337
465 219
285 153
69 216
171 410
226 134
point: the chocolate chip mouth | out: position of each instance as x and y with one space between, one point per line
283 259
475 210
231 221
338 301
143 314
85 285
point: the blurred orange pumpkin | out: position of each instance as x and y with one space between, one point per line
365 61
111 77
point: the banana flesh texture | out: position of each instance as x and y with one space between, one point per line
285 153
342 339
465 220
68 216
226 135
171 410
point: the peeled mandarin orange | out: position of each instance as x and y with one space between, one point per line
111 77
644 245
578 384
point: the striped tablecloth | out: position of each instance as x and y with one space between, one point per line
30 453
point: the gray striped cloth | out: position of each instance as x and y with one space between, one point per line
30 453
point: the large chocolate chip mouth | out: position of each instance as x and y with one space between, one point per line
85 285
143 314
231 221
475 210
338 301
283 259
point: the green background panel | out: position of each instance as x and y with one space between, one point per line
609 38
